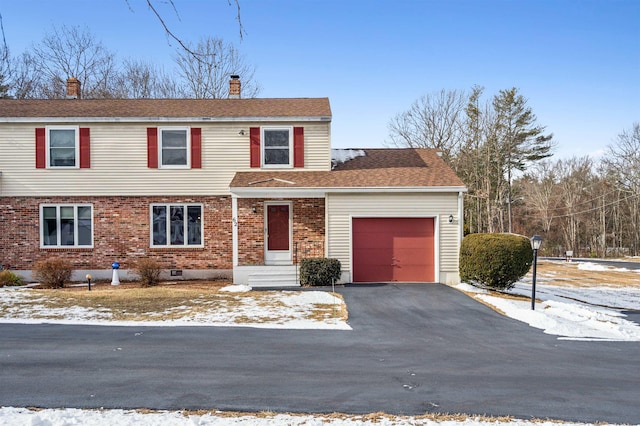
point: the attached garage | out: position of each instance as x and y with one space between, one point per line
393 249
390 215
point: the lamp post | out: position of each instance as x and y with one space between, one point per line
536 242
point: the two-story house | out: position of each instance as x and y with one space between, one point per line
240 188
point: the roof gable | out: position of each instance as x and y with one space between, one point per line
378 168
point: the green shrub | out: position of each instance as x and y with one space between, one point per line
53 272
8 278
495 260
319 271
148 271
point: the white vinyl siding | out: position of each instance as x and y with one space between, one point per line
341 208
119 161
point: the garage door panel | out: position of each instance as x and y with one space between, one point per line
411 273
406 243
393 249
373 240
374 256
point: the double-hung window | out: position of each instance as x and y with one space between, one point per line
175 147
176 225
63 147
66 225
277 147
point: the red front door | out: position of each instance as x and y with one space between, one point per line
278 227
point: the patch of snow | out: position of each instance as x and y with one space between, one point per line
339 156
469 288
569 319
236 288
118 417
590 266
591 313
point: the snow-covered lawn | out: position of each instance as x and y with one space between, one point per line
265 309
571 311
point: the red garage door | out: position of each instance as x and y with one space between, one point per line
393 249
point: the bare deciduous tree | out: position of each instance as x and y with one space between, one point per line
73 52
207 76
171 34
539 190
25 81
5 65
140 79
435 120
624 162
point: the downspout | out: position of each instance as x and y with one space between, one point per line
461 214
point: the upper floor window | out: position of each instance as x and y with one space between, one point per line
277 147
176 225
66 225
63 147
175 147
272 147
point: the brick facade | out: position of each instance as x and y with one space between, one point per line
121 232
308 228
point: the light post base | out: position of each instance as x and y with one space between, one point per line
115 280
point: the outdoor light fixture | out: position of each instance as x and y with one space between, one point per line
241 132
536 243
450 218
255 210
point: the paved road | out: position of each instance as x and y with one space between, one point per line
614 263
413 349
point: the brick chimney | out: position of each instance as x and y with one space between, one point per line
234 87
73 88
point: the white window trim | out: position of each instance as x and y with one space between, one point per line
76 129
75 225
188 135
168 230
263 147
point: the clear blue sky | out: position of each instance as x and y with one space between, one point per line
577 62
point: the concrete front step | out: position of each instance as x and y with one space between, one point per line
273 279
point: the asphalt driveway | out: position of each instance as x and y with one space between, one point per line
413 349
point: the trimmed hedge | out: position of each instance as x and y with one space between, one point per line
319 271
495 260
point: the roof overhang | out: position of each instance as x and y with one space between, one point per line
280 192
162 119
